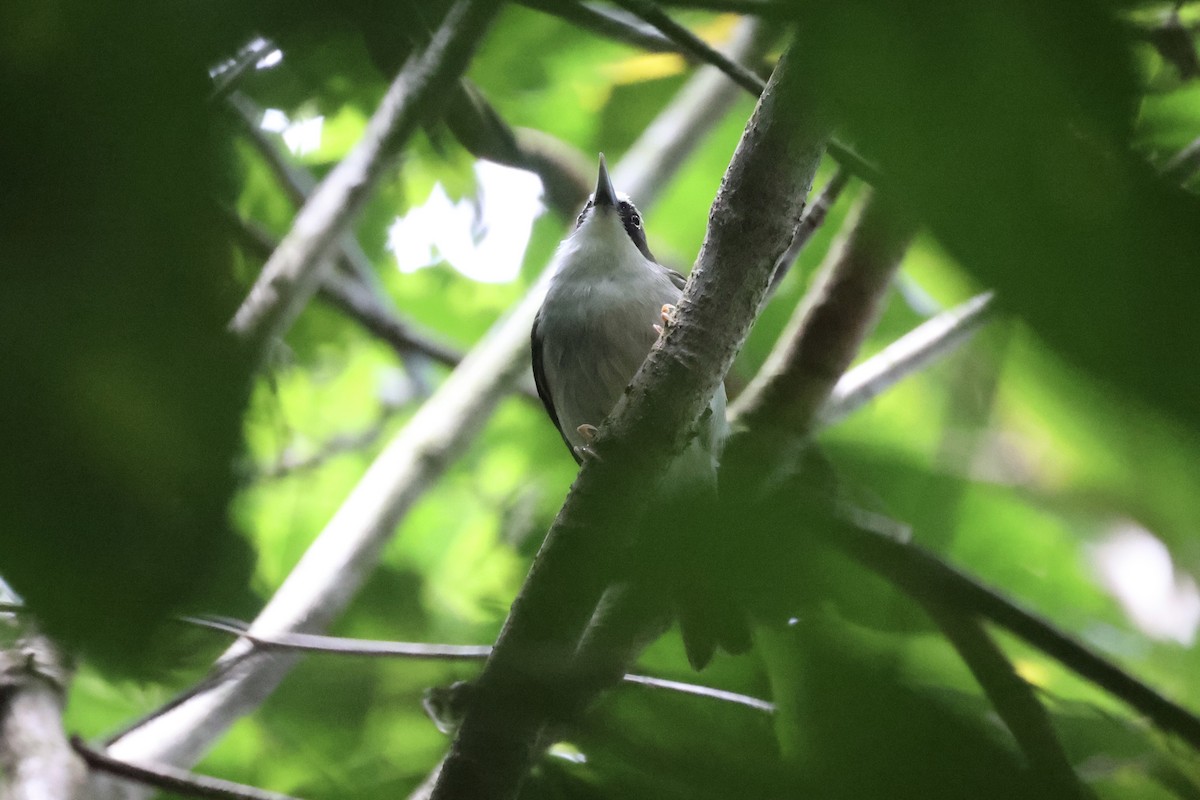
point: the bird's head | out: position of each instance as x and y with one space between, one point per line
606 206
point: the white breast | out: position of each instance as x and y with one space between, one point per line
597 322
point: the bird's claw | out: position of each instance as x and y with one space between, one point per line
667 315
587 433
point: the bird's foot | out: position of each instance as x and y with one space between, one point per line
667 315
588 433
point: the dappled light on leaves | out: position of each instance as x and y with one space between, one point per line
972 575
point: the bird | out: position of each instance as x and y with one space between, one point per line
606 305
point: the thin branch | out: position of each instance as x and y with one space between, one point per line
293 272
298 184
703 691
170 779
362 305
562 168
336 645
694 45
359 303
232 71
907 355
372 648
694 111
616 25
353 299
749 227
1184 165
288 463
813 218
690 46
825 333
881 545
1013 698
778 10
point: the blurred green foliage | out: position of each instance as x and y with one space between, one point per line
1024 135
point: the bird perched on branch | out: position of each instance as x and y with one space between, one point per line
606 306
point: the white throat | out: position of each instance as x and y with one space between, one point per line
600 247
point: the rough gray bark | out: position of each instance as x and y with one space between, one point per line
36 760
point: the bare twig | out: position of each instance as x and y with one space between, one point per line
362 305
694 111
814 217
234 69
1013 699
370 648
703 691
749 227
1184 165
906 356
336 645
298 184
355 300
478 126
617 25
293 272
694 45
288 463
170 779
880 545
767 9
826 331
563 169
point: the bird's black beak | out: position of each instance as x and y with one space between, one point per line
605 195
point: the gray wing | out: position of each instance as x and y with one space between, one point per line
676 278
543 386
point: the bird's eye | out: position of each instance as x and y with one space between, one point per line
636 219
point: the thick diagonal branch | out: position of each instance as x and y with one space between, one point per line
293 272
825 333
750 224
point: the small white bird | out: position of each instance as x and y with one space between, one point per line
604 310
